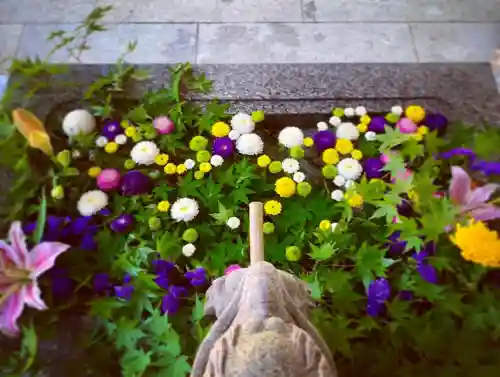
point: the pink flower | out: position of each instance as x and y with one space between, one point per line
231 268
385 158
108 179
163 125
403 175
406 126
472 202
19 271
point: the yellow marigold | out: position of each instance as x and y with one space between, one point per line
170 168
161 159
325 225
130 131
344 146
478 244
423 130
163 206
220 129
285 187
308 142
365 119
357 154
355 200
181 169
272 207
94 171
362 127
263 161
415 113
330 156
205 167
111 147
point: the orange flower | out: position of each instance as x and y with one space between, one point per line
33 130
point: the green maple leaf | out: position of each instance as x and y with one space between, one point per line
135 362
389 211
157 324
128 334
223 215
323 252
370 262
198 310
390 138
179 368
433 142
314 285
240 195
395 166
486 143
412 149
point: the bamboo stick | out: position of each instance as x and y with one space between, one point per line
256 232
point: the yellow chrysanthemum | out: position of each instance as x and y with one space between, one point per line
478 244
415 113
263 161
130 131
205 167
285 187
344 146
357 154
220 129
163 206
308 142
181 169
161 159
362 127
170 168
325 225
111 147
365 119
199 175
94 171
423 130
330 156
272 208
355 200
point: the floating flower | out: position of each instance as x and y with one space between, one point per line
199 175
108 179
335 121
308 142
347 131
299 177
216 160
406 126
339 181
322 126
378 293
220 129
478 244
415 113
203 156
243 123
189 164
57 193
275 167
122 223
198 143
362 127
101 141
111 147
290 165
144 153
436 122
249 145
285 187
231 268
268 228
344 146
349 112
337 195
330 156
329 171
291 137
223 146
304 188
360 111
370 136
188 250
233 222
154 223
78 122
258 116
397 110
163 206
373 167
272 208
377 124
293 253
357 154
92 202
426 271
205 167
171 303
19 273
184 209
190 235
121 139
111 130
161 159
355 200
338 112
297 153
324 140
263 161
350 168
163 125
234 135
181 169
136 183
325 225
197 277
130 131
170 168
365 119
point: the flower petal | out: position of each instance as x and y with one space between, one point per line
43 257
481 194
485 212
18 244
10 312
32 297
5 252
459 185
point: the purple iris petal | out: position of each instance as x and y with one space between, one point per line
88 242
101 282
405 208
373 167
104 212
162 282
170 304
487 167
373 308
79 225
436 121
223 146
378 293
162 267
420 256
135 183
111 130
427 272
178 291
324 140
457 152
396 245
377 124
196 277
124 291
122 223
127 278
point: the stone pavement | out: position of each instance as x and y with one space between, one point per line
263 31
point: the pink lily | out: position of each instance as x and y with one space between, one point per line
19 271
472 202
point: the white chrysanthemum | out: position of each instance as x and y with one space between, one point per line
334 226
339 181
189 164
76 153
121 139
233 222
291 137
347 131
335 121
188 250
216 160
184 209
299 177
290 165
350 168
337 195
370 136
242 123
78 122
360 111
250 144
349 183
349 112
398 110
234 135
144 153
92 202
322 126
101 141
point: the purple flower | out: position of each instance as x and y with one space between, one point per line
426 271
62 284
405 208
197 277
324 140
135 183
396 246
29 228
373 167
223 146
436 121
377 124
171 301
101 282
124 291
88 242
79 225
162 282
378 293
162 267
457 152
105 212
487 167
122 223
111 130
178 291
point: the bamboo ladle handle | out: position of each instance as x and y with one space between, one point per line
256 232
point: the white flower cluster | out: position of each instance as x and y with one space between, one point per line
347 131
242 123
247 142
291 137
290 165
250 144
144 153
184 209
349 170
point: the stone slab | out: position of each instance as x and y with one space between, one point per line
456 42
9 39
45 11
401 10
304 43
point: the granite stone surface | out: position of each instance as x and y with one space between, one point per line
9 38
44 11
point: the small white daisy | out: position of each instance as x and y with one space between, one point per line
322 126
360 111
347 131
398 110
184 209
144 153
370 136
92 202
299 177
121 139
233 222
290 165
216 160
350 168
291 137
188 250
101 141
234 135
335 121
242 123
339 181
337 195
349 112
250 144
189 164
